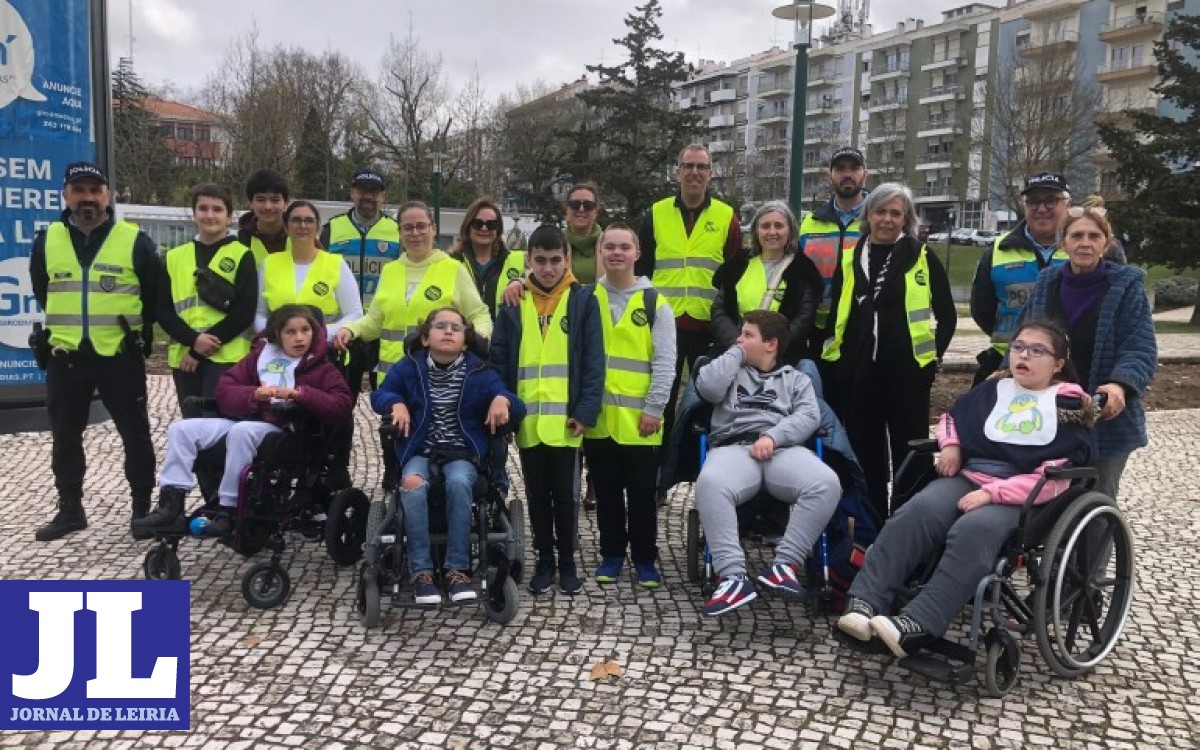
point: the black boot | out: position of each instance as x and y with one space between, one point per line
543 574
141 506
568 577
166 518
70 518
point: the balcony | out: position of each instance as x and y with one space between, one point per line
818 139
821 78
887 103
722 95
945 62
933 194
1052 9
687 102
939 127
717 147
776 90
937 161
774 118
1146 24
720 121
1049 45
772 146
886 134
1120 70
824 107
779 64
886 74
819 168
943 94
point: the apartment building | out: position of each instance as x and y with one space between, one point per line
194 136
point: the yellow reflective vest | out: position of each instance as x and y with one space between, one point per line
318 290
403 314
543 372
684 264
629 346
260 250
918 302
85 303
181 268
753 285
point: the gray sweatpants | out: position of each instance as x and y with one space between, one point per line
187 437
909 538
793 475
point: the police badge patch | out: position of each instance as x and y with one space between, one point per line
108 283
381 247
320 289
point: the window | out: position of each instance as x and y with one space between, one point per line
184 133
1136 54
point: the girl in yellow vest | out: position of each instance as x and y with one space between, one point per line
623 447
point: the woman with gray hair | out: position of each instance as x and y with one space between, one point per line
773 277
882 347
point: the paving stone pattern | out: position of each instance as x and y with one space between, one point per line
307 675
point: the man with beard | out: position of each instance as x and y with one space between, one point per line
834 227
96 278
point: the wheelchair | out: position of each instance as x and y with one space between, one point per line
497 546
284 491
1077 554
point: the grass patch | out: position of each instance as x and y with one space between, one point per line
1158 273
1175 326
960 262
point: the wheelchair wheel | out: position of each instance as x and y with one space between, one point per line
266 585
515 549
367 601
375 516
500 605
346 526
162 564
1003 666
694 553
1083 603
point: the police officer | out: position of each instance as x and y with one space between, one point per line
1007 271
96 278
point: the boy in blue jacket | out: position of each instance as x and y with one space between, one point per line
550 350
443 400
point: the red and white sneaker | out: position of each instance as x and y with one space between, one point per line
783 577
733 592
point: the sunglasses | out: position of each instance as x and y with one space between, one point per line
490 225
581 205
1077 211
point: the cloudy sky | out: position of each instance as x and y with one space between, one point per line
508 41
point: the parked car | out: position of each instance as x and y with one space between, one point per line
983 237
962 236
937 238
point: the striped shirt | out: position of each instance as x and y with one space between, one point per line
445 394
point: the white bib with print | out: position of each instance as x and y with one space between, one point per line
1022 416
275 368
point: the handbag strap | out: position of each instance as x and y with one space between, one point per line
773 281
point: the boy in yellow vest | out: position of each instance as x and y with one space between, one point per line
559 374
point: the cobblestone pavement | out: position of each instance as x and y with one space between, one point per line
766 676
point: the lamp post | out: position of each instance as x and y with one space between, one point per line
949 232
437 194
801 13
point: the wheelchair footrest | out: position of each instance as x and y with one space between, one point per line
872 647
943 661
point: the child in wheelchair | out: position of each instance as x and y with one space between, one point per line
443 401
763 415
996 444
287 364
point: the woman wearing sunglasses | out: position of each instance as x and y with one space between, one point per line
1104 309
479 246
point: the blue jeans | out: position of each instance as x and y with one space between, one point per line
459 478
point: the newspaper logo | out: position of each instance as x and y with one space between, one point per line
16 58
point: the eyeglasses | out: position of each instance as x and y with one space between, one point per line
1036 351
1076 212
490 225
303 221
695 166
446 325
581 205
420 226
1047 203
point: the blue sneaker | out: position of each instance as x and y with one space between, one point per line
610 569
731 593
648 576
424 590
785 578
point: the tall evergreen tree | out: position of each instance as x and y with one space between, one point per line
638 131
315 164
143 168
1158 159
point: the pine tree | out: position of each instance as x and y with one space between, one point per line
1158 159
143 168
638 133
315 167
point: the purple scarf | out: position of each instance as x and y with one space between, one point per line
1080 291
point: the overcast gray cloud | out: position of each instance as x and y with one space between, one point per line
507 41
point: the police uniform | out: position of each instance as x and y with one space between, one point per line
98 291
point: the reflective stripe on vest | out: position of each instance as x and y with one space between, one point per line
366 255
1014 272
543 382
753 285
629 345
87 303
181 268
318 289
684 264
823 243
402 317
918 301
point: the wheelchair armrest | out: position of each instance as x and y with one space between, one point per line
924 445
196 406
1072 472
387 429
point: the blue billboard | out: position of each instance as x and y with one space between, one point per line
46 123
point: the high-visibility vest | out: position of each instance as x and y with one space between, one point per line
402 317
543 378
365 254
181 268
513 270
684 264
918 302
629 349
84 303
753 285
1014 272
319 288
824 242
260 250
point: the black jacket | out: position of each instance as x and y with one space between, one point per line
487 283
799 304
240 315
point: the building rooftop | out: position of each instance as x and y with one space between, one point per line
169 110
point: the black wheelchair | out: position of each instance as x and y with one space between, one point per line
497 545
1077 554
285 491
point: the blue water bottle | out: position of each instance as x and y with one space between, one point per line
198 526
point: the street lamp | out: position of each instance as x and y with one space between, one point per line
801 13
437 194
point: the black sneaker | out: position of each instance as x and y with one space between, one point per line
856 622
543 575
902 634
70 518
569 581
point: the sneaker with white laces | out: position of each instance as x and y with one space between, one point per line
785 578
459 586
856 622
902 634
731 593
424 590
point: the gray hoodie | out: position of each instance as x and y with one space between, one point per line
662 367
749 404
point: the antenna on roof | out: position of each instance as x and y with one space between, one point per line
131 37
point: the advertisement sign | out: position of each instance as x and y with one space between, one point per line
45 123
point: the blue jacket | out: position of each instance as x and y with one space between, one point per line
1126 350
586 360
408 383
